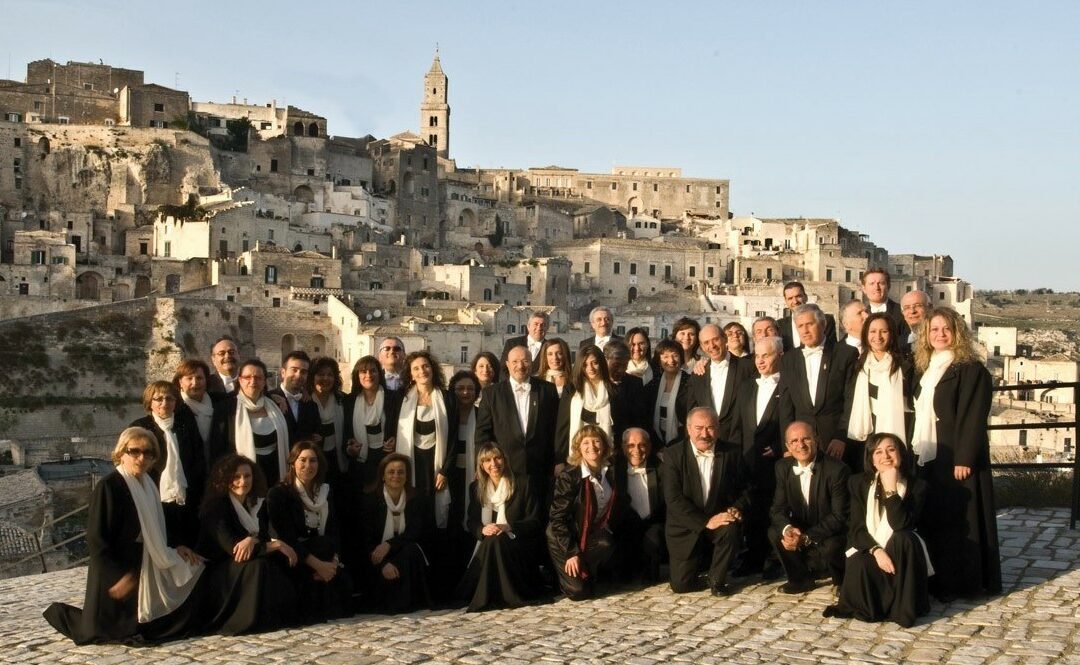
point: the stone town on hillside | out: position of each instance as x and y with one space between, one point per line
137 225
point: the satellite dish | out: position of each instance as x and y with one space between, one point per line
367 318
377 313
438 317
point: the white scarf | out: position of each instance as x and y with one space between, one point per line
877 520
249 517
405 443
365 414
924 437
468 432
495 499
165 579
173 481
671 423
550 376
244 439
641 369
333 412
317 510
395 524
888 406
204 413
595 400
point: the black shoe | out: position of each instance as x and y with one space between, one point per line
797 587
836 612
722 590
772 571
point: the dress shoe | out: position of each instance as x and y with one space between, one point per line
797 587
722 590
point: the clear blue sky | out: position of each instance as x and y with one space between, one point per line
934 127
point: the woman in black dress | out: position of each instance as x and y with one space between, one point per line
665 396
180 470
504 520
586 511
464 386
885 576
250 589
425 431
641 362
554 364
190 378
594 401
302 514
371 419
395 522
125 533
324 386
952 448
251 424
882 384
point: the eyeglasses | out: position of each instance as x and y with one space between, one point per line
163 398
148 453
392 349
222 354
252 377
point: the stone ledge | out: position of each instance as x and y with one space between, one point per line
1035 621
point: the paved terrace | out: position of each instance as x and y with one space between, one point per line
1036 621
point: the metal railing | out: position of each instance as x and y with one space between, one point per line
1074 508
42 551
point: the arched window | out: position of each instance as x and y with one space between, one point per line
313 129
298 128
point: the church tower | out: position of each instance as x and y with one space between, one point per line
434 111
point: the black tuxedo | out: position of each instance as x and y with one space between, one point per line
520 340
215 387
829 414
757 437
307 422
688 511
789 336
893 311
641 542
651 394
699 393
824 519
529 453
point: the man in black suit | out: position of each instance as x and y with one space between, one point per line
226 361
914 306
630 397
602 321
758 412
809 511
875 286
795 297
817 378
641 539
706 489
537 331
301 413
715 386
518 413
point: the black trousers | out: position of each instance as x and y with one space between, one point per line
717 546
599 551
809 563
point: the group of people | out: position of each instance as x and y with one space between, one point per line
787 450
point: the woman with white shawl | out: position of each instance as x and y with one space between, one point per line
465 388
882 384
885 576
324 386
665 396
371 418
594 401
251 424
138 588
554 364
504 520
301 510
641 362
249 585
180 470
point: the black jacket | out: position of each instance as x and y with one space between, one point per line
530 453
826 515
699 393
829 415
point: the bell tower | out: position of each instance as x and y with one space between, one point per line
434 111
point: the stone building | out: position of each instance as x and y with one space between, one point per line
546 280
42 265
405 169
434 110
267 120
153 105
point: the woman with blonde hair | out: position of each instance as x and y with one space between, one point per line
504 517
952 451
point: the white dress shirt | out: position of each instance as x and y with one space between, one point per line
521 399
718 372
534 347
804 474
876 309
854 342
705 468
393 381
228 381
637 480
812 358
601 342
796 342
294 402
601 488
766 386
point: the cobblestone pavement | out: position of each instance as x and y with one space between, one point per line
1036 621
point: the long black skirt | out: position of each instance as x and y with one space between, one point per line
406 593
870 594
253 596
502 574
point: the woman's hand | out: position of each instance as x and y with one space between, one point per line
390 445
390 572
124 587
352 448
188 555
884 562
440 482
494 529
887 477
573 566
283 547
961 473
379 553
243 550
324 571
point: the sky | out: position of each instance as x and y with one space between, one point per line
935 128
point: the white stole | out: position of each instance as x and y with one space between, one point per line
165 579
888 406
204 413
671 423
405 441
317 510
641 369
249 517
173 480
395 524
336 414
595 400
877 521
924 436
244 438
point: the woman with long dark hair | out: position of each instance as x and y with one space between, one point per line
554 361
882 383
371 419
593 402
324 386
